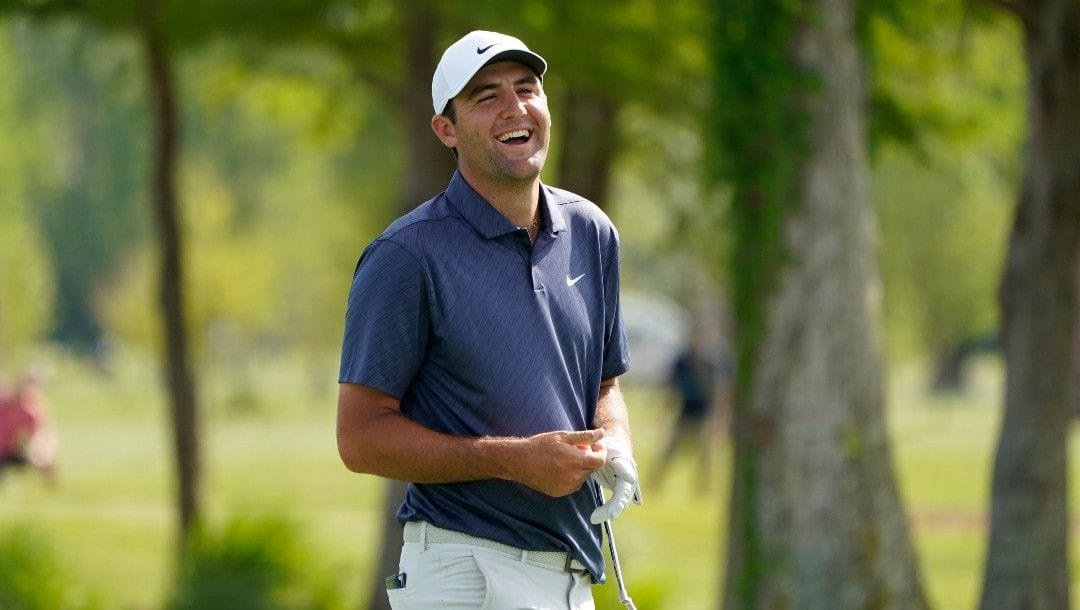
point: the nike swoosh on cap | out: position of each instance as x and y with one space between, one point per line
481 51
571 282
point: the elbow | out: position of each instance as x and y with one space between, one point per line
350 450
362 428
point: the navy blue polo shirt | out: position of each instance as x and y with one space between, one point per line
480 333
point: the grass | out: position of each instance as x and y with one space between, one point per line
111 516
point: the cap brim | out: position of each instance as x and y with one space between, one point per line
533 61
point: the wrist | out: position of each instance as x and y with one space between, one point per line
499 456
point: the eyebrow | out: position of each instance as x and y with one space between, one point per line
482 87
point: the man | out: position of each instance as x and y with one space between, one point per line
701 377
482 348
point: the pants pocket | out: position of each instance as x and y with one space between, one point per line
397 599
442 576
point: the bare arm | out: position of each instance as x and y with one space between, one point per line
374 437
611 414
619 474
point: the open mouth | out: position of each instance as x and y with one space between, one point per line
518 136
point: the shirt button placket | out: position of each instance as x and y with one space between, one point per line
537 279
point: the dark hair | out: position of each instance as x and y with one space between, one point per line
449 112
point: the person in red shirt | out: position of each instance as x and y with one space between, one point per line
26 435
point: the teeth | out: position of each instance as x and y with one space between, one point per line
521 133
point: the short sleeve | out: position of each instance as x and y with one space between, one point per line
616 346
386 321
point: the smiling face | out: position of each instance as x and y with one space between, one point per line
502 126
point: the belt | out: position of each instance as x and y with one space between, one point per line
426 533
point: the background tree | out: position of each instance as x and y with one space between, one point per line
947 122
178 374
1027 561
816 520
160 29
86 193
144 19
26 277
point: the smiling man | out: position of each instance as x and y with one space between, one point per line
482 348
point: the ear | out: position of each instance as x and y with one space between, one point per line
444 130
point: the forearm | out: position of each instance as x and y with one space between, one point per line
611 412
393 446
374 437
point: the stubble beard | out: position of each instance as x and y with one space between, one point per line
513 173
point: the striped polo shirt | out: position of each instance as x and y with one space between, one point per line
480 333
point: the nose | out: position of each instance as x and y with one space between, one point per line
514 107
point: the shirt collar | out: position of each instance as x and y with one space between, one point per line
488 221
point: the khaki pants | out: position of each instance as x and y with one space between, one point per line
459 575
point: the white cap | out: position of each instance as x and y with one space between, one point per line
463 59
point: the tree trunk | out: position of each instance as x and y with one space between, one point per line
1027 561
429 164
816 518
1074 371
588 145
386 562
181 385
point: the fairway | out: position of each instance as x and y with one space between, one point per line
111 516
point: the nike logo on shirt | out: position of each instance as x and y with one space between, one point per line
571 282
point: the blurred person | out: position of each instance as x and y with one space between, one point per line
26 434
482 348
701 380
7 391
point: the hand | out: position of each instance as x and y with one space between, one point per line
559 463
618 474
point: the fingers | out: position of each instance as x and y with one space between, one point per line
625 488
626 471
620 499
587 438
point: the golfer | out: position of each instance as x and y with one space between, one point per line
482 348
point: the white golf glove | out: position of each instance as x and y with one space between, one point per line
619 475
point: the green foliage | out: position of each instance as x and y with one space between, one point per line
646 590
253 563
278 155
26 285
26 273
80 126
944 199
947 227
601 47
31 575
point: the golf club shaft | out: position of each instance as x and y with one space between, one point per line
624 597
